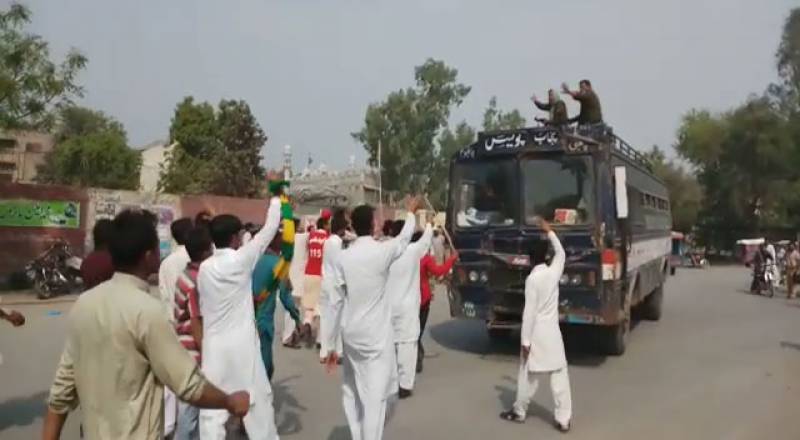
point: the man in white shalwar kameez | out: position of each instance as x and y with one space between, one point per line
231 347
362 312
542 352
330 253
296 274
402 288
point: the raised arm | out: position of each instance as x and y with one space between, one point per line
559 257
439 270
398 244
421 247
541 105
253 249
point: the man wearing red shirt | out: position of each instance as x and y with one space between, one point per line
312 281
428 268
97 266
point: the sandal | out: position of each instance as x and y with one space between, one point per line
511 416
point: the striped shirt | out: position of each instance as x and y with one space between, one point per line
186 308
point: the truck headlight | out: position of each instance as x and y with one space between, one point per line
473 276
484 277
575 279
564 280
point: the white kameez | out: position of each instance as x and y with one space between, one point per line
402 288
330 253
362 312
231 347
541 332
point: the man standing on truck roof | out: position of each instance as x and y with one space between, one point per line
590 113
542 352
556 107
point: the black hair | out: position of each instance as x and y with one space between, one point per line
362 218
223 228
134 234
387 228
180 228
296 224
417 235
397 226
102 232
339 221
586 82
538 252
321 223
198 242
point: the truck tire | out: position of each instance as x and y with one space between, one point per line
616 339
651 309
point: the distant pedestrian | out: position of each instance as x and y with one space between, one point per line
120 350
542 351
312 282
97 266
792 269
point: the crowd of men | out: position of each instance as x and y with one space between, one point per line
181 359
184 359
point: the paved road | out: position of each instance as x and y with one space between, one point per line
722 364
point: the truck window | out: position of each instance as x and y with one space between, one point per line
559 189
485 194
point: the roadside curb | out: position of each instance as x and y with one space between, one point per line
27 300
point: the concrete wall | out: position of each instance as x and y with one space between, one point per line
19 245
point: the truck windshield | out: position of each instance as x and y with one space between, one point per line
486 193
559 189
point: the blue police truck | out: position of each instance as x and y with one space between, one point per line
610 211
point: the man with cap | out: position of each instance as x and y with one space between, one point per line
312 281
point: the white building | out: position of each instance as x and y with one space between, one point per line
321 187
153 155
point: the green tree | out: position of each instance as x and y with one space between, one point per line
32 87
788 57
207 138
745 161
685 193
91 151
495 119
450 142
405 126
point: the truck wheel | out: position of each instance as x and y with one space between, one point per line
616 338
652 305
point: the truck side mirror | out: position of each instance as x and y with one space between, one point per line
621 191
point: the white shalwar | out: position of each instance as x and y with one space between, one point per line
402 288
297 270
330 253
231 347
540 332
362 312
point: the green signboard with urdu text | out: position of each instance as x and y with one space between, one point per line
40 213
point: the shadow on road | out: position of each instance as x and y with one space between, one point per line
22 411
792 345
507 394
287 407
470 336
339 433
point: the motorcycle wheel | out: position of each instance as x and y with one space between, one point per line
42 290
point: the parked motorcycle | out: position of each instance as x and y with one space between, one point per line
55 272
763 279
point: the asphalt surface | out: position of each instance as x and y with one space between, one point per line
721 364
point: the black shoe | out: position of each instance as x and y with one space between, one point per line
319 346
419 367
564 428
511 416
404 393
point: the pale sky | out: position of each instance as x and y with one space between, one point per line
309 68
